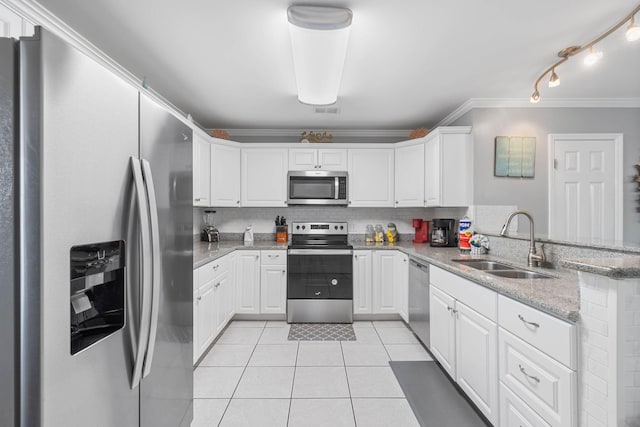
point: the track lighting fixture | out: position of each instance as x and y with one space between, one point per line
632 34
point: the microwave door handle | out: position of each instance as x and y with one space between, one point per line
337 187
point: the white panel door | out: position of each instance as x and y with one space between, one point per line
332 159
362 281
409 176
264 177
201 171
206 316
273 289
432 172
385 293
247 282
371 177
584 193
477 359
443 329
196 320
225 176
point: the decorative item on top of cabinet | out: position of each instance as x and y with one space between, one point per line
306 137
418 133
219 133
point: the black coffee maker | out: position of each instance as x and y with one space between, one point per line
443 232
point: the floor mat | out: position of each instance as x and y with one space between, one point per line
321 332
434 400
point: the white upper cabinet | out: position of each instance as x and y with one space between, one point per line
448 167
371 177
332 159
409 176
264 177
13 25
225 176
201 171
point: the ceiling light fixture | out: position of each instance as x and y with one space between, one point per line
554 80
632 34
319 37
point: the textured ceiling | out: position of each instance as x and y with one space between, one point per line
408 63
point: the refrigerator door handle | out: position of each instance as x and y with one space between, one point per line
156 260
145 311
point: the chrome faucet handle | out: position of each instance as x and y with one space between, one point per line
536 259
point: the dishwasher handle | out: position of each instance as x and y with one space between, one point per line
417 264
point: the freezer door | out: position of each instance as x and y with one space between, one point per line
75 188
8 312
167 387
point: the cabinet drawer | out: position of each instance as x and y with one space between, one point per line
515 413
277 257
481 299
550 335
545 385
212 270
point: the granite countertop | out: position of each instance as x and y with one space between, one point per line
616 268
558 296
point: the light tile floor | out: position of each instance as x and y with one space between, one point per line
254 376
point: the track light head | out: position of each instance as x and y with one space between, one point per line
633 31
554 80
535 97
593 57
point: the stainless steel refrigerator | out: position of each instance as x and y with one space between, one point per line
95 246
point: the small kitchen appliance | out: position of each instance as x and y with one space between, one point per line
317 188
422 230
443 232
209 233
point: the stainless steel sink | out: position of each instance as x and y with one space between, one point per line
520 274
483 264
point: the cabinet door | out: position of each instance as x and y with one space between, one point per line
442 328
273 289
371 177
362 283
456 169
206 317
221 288
225 176
384 290
303 159
332 159
432 172
264 177
477 359
409 176
402 284
201 171
247 280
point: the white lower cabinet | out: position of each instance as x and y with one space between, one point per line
273 282
464 338
212 302
362 282
515 413
402 285
247 282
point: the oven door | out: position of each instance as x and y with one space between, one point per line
320 274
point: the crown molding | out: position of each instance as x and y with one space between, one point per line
346 133
39 15
544 103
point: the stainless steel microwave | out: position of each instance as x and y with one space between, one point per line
317 188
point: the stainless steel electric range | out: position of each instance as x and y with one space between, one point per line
320 273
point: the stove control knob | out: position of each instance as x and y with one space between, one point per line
335 226
341 227
304 226
297 227
334 282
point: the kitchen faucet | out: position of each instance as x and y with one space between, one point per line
533 259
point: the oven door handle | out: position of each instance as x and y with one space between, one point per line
320 252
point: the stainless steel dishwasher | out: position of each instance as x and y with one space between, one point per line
419 301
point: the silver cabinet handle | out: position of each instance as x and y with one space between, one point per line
396 202
215 267
355 256
318 293
199 298
536 379
284 271
257 256
216 285
535 325
273 256
197 200
238 201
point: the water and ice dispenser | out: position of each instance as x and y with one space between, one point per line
97 292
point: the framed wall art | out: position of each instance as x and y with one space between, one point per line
515 156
